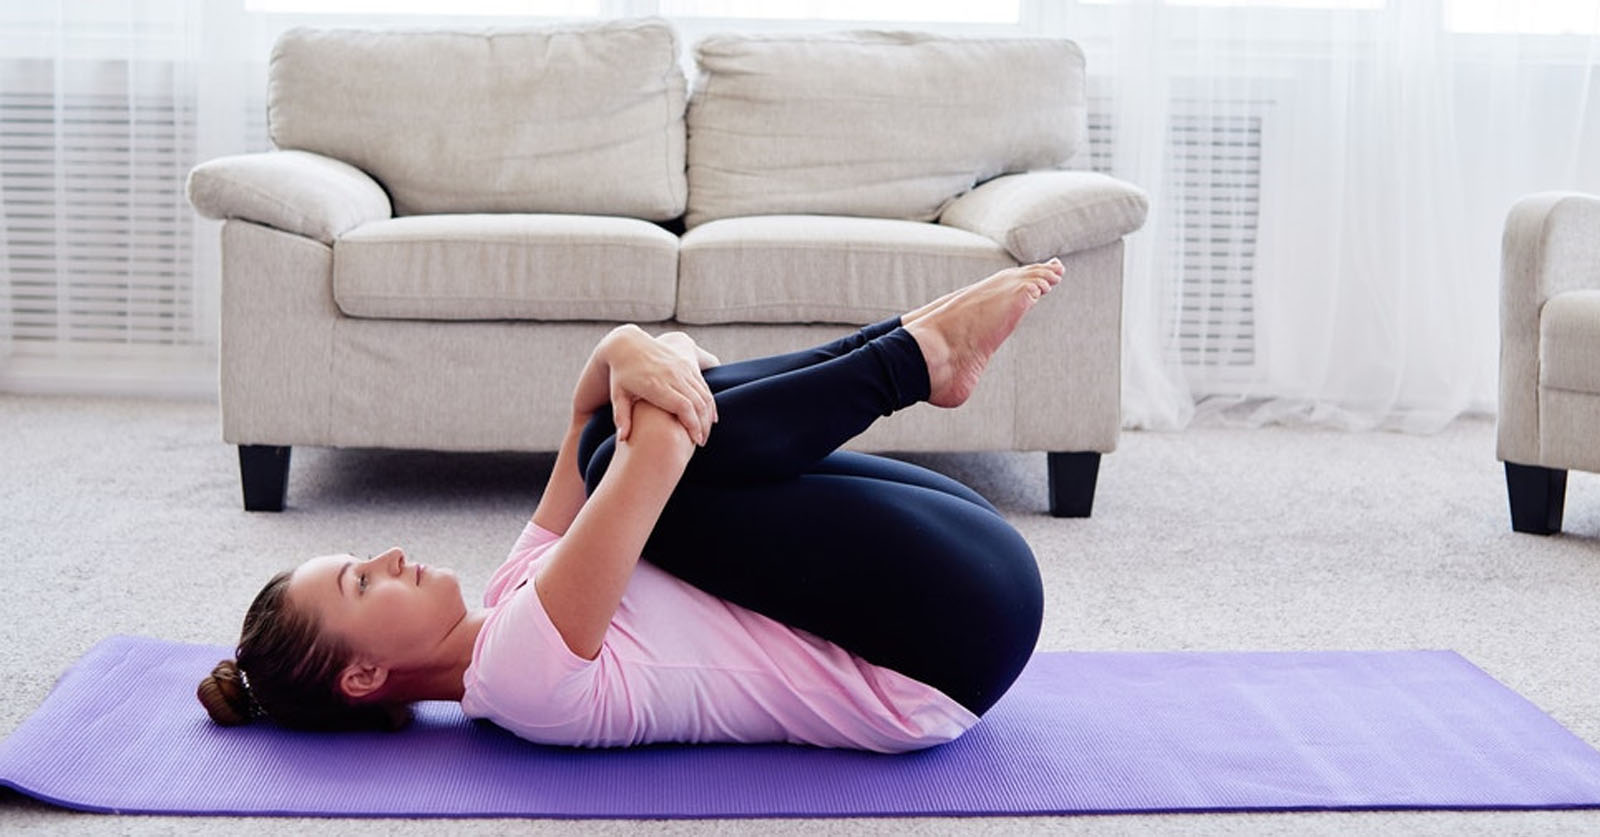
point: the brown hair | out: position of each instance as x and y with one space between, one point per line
292 670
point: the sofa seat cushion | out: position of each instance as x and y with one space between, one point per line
823 269
506 267
1569 338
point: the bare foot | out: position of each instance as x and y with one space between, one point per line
908 319
961 334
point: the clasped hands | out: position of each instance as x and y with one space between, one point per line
664 370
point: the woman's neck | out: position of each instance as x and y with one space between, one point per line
441 679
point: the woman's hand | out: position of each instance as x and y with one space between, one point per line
665 373
684 344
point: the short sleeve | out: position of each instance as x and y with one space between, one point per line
533 535
523 675
531 543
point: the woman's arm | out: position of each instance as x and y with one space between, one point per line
625 347
564 493
581 580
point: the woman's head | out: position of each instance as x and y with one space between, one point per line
324 646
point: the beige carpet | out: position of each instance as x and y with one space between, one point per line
123 516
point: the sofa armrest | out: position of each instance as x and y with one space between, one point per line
1551 245
1040 214
294 191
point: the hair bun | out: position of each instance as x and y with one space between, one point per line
223 695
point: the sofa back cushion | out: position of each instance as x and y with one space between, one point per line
877 124
576 119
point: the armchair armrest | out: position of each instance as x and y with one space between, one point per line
1040 214
295 191
1551 245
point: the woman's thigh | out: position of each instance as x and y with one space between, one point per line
908 577
852 463
597 439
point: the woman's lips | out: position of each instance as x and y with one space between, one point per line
419 575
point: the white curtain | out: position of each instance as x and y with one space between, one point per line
1328 187
97 120
1328 178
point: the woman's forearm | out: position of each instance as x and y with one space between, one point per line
582 579
564 493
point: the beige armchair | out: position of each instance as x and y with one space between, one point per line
1549 353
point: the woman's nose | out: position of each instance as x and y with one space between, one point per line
393 560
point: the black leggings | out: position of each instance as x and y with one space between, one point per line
902 566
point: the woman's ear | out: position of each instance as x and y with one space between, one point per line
360 680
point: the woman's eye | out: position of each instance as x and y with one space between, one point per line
362 581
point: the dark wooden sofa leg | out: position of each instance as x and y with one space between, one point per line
1538 496
264 473
1072 478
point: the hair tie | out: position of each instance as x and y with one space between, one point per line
250 695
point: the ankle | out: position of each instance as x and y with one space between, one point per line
935 353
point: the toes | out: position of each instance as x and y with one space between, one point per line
1046 275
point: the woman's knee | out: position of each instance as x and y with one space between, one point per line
1005 576
1004 610
1012 600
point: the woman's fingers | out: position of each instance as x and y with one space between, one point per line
621 413
700 397
688 413
708 400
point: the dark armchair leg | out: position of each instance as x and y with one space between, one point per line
1072 478
264 473
1537 497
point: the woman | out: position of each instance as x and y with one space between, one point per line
792 592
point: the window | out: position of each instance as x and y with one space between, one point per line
944 11
1336 5
1527 17
541 8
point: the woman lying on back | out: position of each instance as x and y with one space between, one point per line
789 591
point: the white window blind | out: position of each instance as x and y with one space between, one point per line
1207 232
97 234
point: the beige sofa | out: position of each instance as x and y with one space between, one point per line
1549 419
455 218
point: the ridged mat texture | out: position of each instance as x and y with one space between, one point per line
1090 732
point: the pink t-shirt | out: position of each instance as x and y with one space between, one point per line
681 665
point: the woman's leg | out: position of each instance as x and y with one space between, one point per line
912 578
783 422
719 378
779 426
729 375
853 464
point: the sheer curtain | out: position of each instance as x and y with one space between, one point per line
1328 187
1328 178
97 118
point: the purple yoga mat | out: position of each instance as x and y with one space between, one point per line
1079 733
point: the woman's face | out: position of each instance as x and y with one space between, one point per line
392 612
